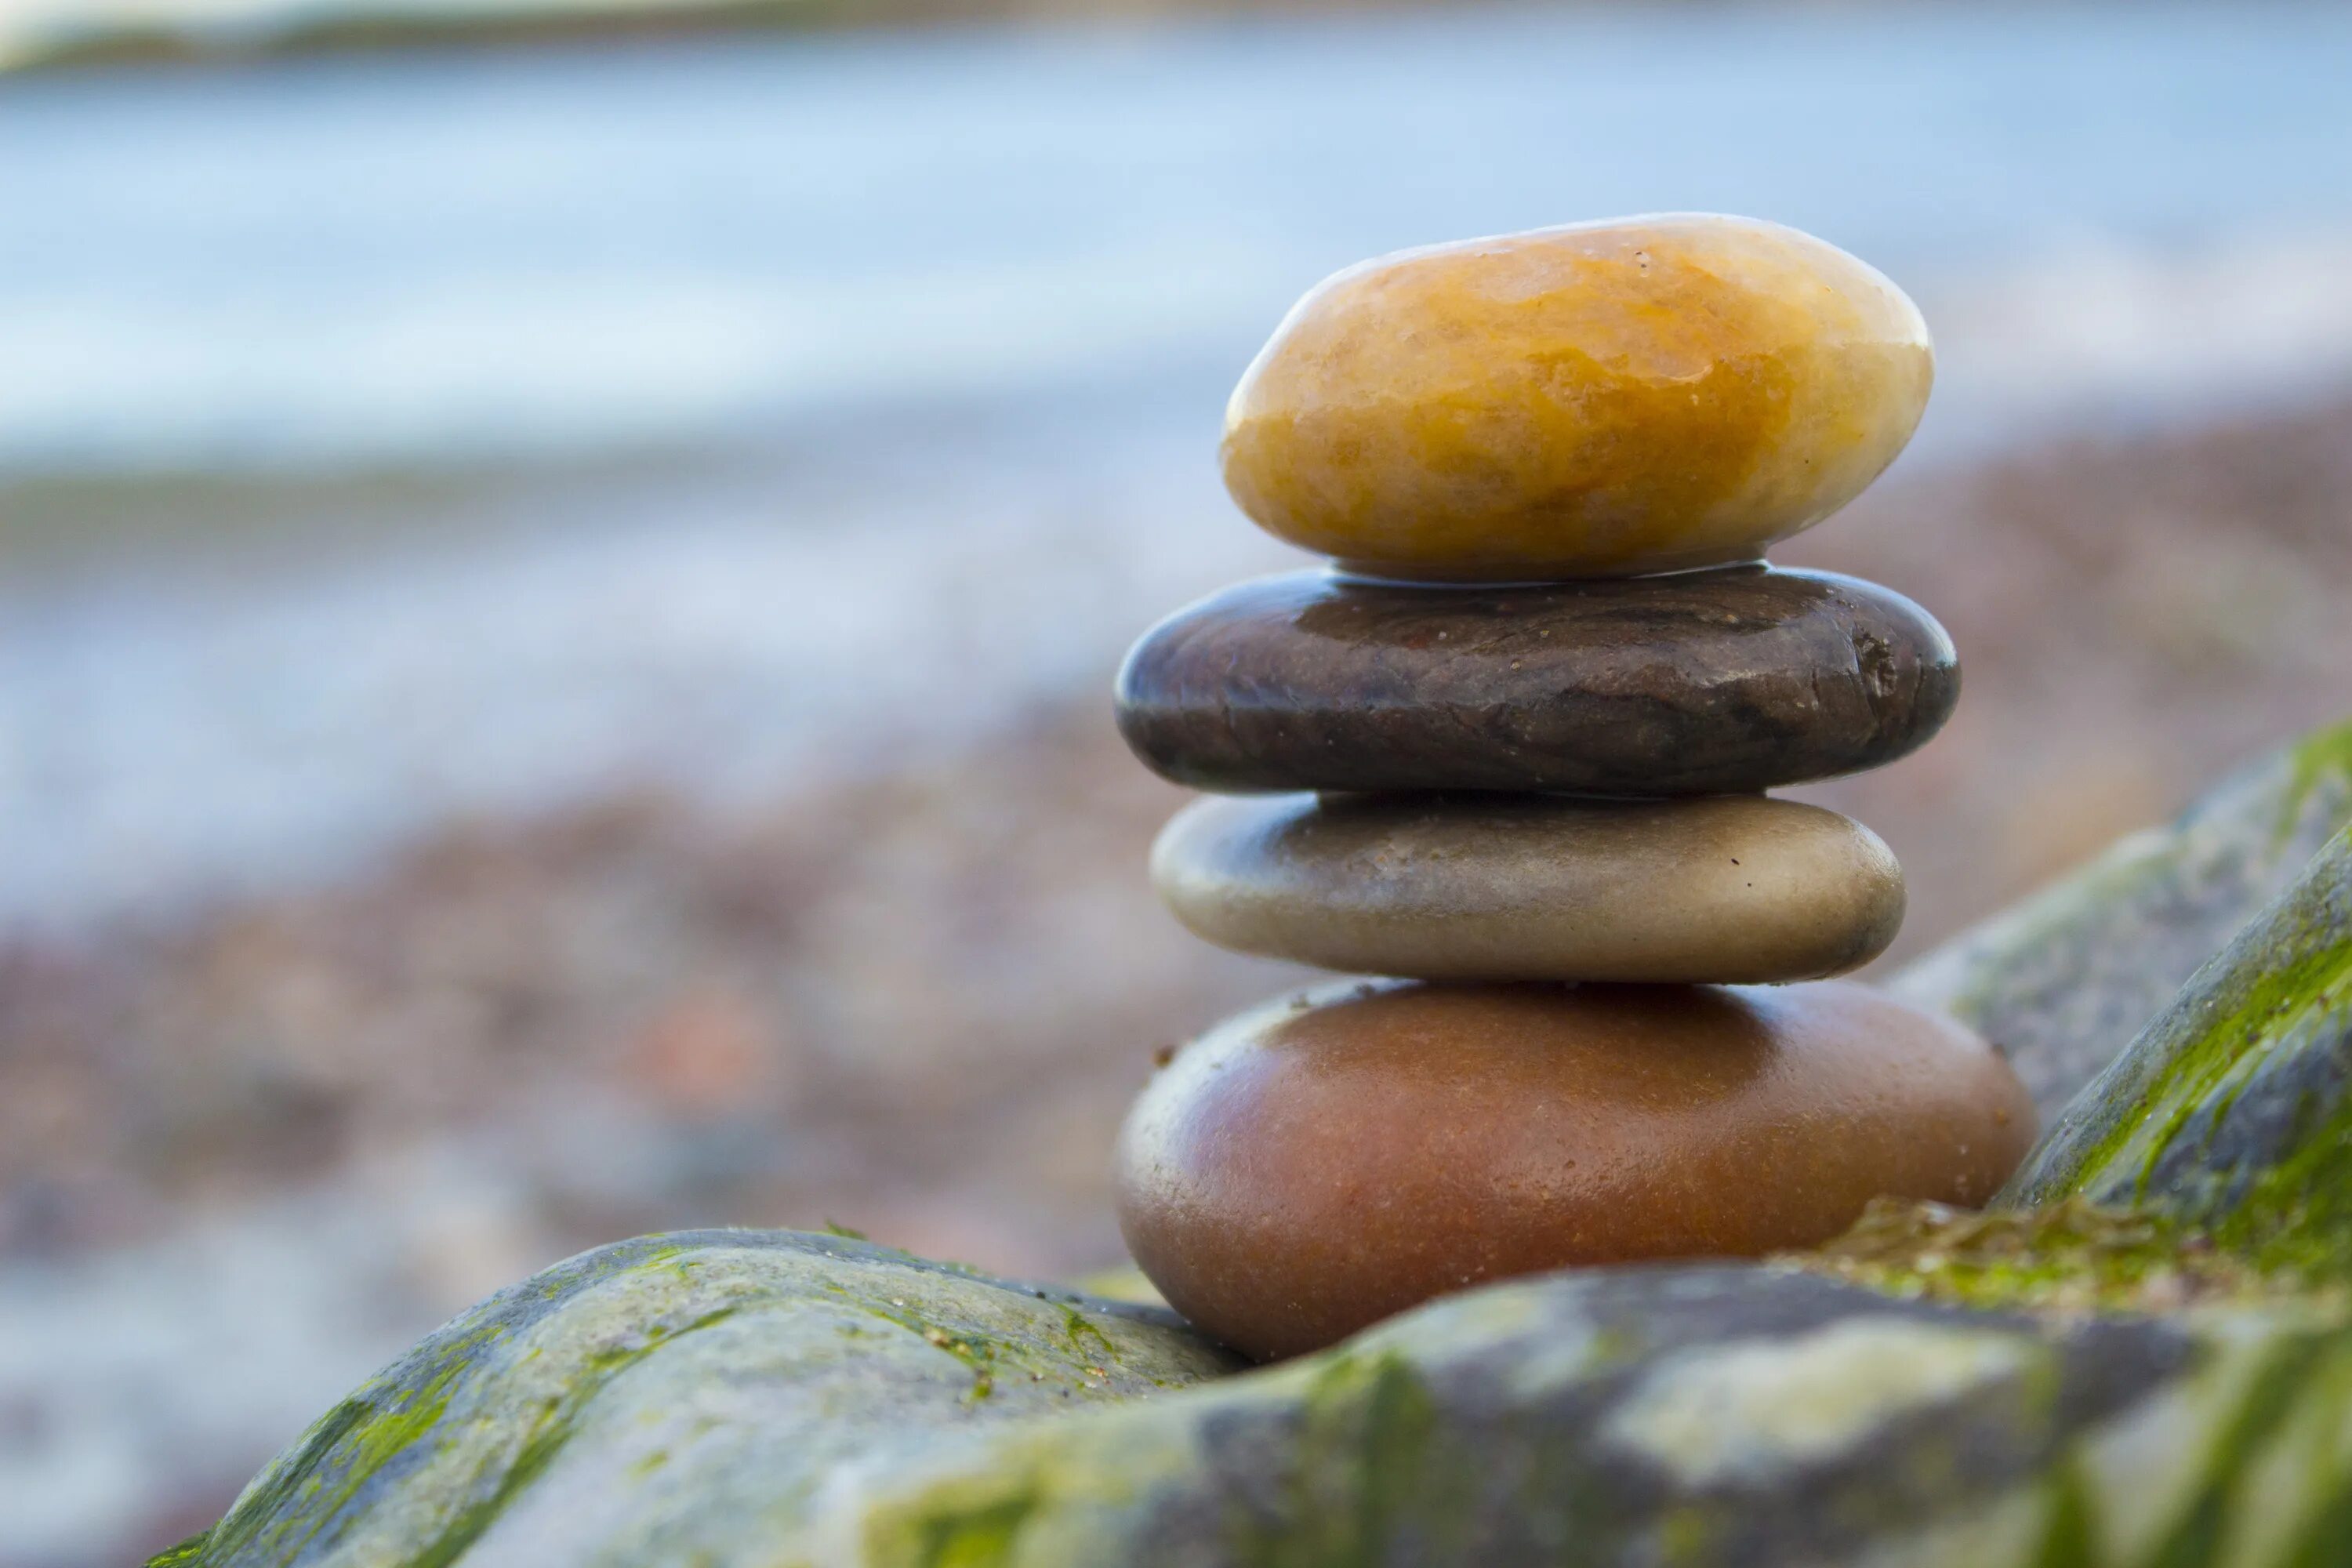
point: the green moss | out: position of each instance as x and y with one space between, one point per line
360 1437
978 1351
2068 1539
1688 1534
273 1492
549 1433
2077 1256
677 1260
974 1538
2278 989
347 1447
2209 1070
2296 1216
970 1520
1363 1462
2320 759
189 1553
2321 1542
2201 1534
1080 1328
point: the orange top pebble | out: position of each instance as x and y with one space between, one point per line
1604 399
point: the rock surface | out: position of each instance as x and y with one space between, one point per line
1730 889
1701 1414
1703 683
679 1399
2233 1110
1638 395
1696 1415
2064 982
1328 1160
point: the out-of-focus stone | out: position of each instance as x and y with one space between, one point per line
2233 1110
2062 982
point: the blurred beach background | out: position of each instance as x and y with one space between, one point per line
560 566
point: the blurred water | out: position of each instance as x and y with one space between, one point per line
807 401
416 257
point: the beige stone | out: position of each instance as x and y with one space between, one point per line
1730 889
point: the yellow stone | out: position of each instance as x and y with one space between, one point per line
1643 395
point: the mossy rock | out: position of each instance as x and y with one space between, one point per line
2064 980
677 1400
1726 1414
2232 1111
778 1401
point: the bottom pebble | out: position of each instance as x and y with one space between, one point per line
1322 1162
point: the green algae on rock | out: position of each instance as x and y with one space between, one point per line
1692 1415
2074 1255
2063 981
677 1399
750 1400
2233 1110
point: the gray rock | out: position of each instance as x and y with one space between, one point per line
1690 1416
732 1400
680 1399
2063 981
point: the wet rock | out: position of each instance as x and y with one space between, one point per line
1702 683
2063 981
1704 1415
1325 1161
680 1399
1714 1414
2233 1110
1730 889
1636 395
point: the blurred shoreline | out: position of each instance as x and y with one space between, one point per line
214 33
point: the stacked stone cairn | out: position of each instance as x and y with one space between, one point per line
1510 755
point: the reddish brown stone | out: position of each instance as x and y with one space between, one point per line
1317 1164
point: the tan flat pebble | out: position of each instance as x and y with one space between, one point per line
1723 888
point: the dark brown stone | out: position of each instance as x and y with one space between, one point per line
1700 683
